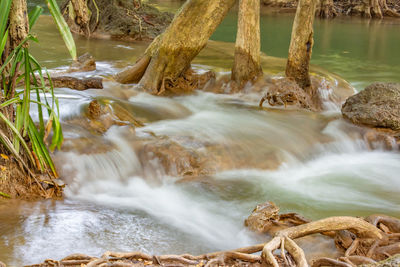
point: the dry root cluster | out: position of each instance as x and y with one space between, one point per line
362 241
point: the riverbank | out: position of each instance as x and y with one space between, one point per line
333 8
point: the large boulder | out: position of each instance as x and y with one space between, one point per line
378 105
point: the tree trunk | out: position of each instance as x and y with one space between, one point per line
18 31
327 9
169 55
82 17
19 24
377 9
301 43
247 49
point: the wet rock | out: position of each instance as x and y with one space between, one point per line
265 218
378 105
173 158
99 118
379 139
262 216
85 62
94 110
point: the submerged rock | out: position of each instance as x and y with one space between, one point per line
378 105
265 218
86 62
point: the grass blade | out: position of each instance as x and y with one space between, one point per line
18 135
3 42
34 15
62 27
5 6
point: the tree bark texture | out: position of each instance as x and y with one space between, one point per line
18 31
301 44
19 23
82 17
327 9
247 49
168 57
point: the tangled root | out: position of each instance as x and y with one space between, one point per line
364 241
186 83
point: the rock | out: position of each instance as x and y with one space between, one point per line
378 105
265 218
262 216
85 62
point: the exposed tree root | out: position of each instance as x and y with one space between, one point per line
166 62
329 262
265 218
376 9
327 9
135 73
286 92
359 236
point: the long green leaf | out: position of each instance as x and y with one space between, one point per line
27 93
62 27
41 149
3 42
5 6
16 51
17 134
4 195
34 15
10 102
40 111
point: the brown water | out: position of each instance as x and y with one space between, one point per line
314 164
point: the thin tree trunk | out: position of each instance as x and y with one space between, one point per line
19 24
18 31
169 55
82 17
376 11
327 9
301 44
247 49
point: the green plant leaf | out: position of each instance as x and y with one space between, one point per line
4 195
3 42
18 135
62 27
5 6
34 15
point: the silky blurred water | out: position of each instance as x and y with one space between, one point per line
315 164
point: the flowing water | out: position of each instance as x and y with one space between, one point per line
315 164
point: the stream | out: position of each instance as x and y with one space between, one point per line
315 164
